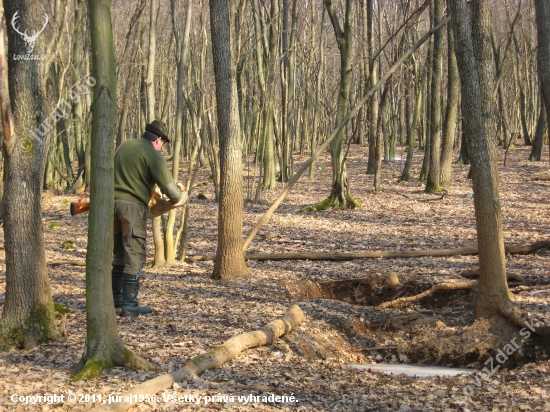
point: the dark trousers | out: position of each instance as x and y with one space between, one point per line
129 234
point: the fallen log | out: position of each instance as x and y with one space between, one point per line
343 256
68 263
213 359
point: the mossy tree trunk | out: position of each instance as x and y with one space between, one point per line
340 196
28 315
104 348
229 263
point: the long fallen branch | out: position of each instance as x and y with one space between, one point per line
213 359
342 256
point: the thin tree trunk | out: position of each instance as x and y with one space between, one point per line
160 257
183 45
317 106
340 196
542 9
373 104
104 348
451 113
411 134
542 125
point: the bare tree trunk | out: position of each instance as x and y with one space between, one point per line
28 315
340 196
289 51
160 258
493 289
411 134
542 9
269 153
451 113
542 125
183 45
229 263
317 106
373 104
80 58
131 52
104 348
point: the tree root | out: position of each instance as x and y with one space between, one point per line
518 318
215 358
439 286
476 273
92 367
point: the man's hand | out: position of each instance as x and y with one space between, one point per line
183 199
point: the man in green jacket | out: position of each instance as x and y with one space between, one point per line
139 165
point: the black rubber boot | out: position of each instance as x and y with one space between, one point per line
116 275
130 288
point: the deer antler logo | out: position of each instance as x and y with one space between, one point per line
29 40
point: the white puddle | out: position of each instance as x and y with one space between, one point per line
413 370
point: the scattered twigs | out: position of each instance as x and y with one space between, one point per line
215 358
439 286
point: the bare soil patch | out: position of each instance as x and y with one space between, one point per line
193 314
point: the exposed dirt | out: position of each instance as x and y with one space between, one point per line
193 313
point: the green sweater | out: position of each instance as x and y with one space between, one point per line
138 167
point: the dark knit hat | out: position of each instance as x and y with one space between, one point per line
158 128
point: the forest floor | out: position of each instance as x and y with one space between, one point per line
193 314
